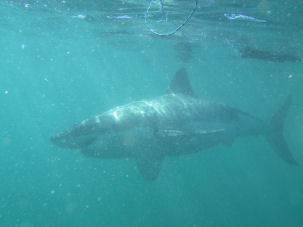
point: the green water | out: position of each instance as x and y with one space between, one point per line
63 61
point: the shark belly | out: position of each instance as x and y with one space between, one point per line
122 144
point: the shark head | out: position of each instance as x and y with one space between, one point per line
109 128
79 135
85 133
73 138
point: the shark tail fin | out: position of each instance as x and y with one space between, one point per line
275 133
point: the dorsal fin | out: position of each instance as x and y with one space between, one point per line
180 84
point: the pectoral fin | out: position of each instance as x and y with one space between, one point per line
149 166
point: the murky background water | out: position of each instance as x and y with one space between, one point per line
63 61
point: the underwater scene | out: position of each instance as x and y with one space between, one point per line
148 113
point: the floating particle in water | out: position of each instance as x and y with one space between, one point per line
290 76
53 191
79 16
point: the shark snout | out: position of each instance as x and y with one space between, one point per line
68 139
60 141
64 140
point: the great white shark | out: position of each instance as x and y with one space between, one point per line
176 123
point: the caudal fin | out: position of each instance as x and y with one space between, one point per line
275 134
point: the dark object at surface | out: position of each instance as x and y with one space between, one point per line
249 52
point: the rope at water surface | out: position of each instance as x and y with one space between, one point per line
161 9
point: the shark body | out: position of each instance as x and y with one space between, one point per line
174 124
